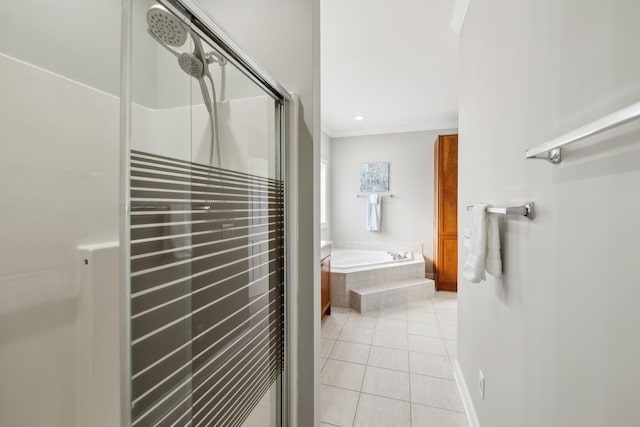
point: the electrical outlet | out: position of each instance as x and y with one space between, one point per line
481 383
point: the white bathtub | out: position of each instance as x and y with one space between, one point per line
357 269
343 260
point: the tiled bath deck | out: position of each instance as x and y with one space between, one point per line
392 367
342 283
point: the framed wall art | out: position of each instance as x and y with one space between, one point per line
374 177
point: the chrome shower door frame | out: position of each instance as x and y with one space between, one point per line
203 24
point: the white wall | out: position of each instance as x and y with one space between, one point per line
408 215
325 155
557 337
79 39
278 34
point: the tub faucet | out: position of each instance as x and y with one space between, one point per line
396 256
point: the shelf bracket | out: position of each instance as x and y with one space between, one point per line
554 156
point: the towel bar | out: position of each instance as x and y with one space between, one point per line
367 195
552 150
525 210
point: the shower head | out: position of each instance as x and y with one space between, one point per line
195 67
165 27
191 65
168 30
170 33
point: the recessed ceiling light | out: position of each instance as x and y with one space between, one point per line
358 118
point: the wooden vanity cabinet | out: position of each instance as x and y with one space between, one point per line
325 280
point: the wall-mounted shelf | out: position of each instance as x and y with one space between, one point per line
552 150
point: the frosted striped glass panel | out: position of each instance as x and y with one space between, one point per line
207 291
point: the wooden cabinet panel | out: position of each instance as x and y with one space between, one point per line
325 282
448 277
445 218
449 185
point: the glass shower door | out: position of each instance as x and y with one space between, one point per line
206 233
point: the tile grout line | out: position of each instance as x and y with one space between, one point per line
439 317
409 365
361 385
393 398
395 370
395 348
353 421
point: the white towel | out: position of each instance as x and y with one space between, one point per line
484 252
494 260
373 212
473 269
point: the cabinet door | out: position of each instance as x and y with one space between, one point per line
445 254
325 286
448 264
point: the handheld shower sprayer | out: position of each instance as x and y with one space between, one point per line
191 64
168 31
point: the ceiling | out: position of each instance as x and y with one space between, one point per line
393 62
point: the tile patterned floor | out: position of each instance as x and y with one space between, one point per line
392 367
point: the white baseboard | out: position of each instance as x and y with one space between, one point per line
469 409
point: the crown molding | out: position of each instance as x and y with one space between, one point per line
391 130
326 130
